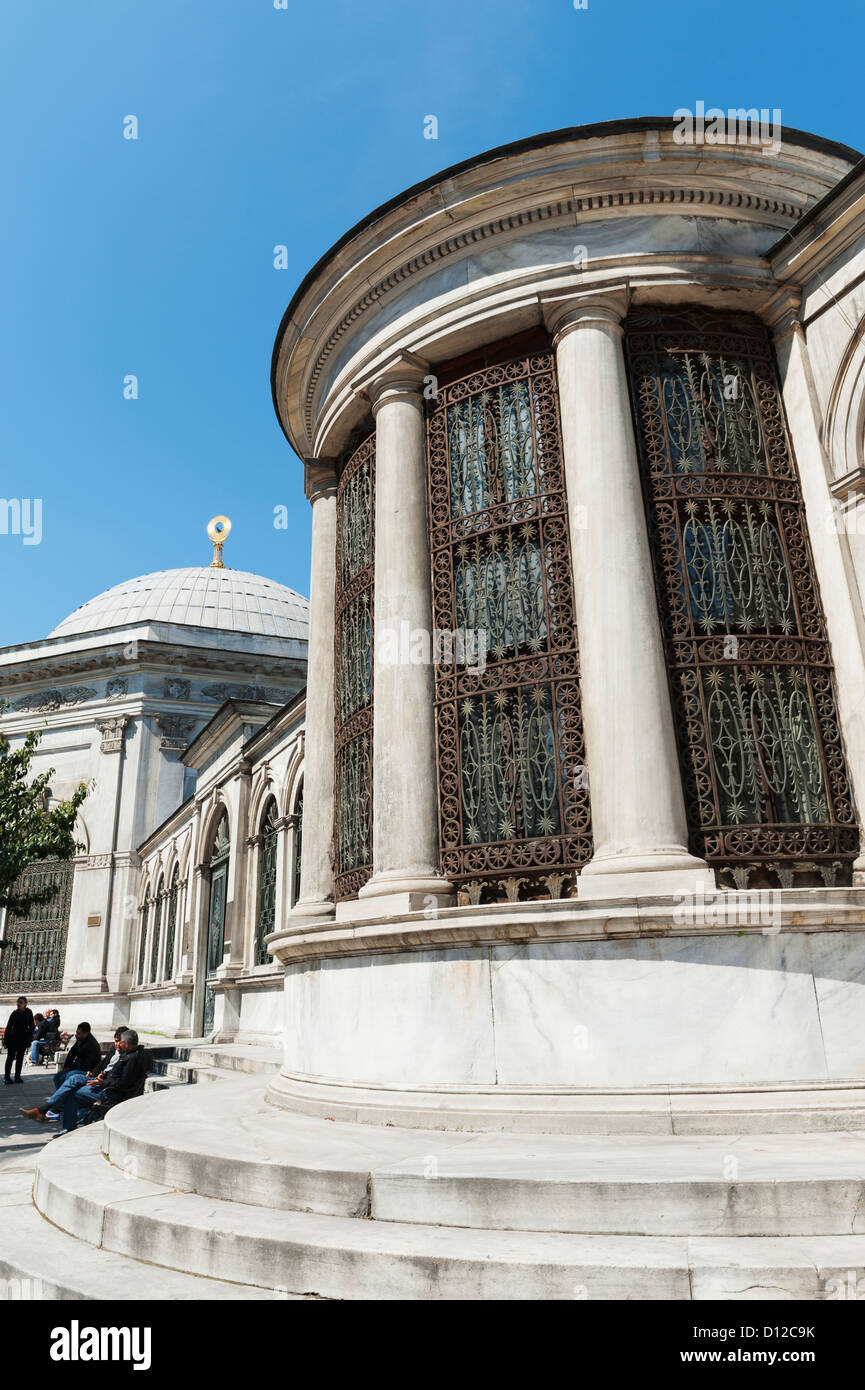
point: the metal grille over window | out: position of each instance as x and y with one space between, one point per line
513 794
174 893
158 909
355 554
142 943
266 881
766 786
35 954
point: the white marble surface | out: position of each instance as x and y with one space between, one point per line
720 1010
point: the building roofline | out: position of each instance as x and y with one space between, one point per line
627 126
816 211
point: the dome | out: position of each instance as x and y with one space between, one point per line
223 599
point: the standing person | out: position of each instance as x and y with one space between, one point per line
17 1039
81 1058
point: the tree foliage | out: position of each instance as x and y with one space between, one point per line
30 830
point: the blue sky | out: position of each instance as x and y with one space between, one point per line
260 127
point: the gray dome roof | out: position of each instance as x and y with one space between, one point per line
225 599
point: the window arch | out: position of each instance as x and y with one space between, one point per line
218 864
171 926
513 795
268 835
748 658
298 844
355 576
158 906
142 940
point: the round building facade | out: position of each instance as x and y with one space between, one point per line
584 736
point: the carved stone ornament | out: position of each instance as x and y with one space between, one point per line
177 689
112 734
176 732
56 699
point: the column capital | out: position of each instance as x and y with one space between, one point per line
319 478
780 313
586 309
402 376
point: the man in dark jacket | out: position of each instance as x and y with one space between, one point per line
124 1081
17 1039
45 1028
81 1058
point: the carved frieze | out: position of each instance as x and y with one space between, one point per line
56 699
225 691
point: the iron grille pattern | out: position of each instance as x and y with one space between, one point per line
174 894
158 908
748 659
34 959
142 944
298 843
513 796
266 882
355 571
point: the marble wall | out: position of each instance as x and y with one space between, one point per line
718 1010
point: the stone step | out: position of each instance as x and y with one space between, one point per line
307 1254
231 1057
41 1262
190 1072
780 1109
234 1146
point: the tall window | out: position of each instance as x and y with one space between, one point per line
142 940
219 861
513 795
750 669
268 838
298 844
158 907
355 551
171 928
34 956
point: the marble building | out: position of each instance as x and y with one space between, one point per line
573 978
147 691
598 395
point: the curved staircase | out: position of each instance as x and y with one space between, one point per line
211 1192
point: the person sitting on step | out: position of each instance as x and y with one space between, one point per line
124 1081
82 1057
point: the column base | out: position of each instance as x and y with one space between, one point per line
398 893
645 875
313 909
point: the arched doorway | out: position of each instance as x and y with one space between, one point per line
219 856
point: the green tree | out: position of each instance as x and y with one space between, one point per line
29 829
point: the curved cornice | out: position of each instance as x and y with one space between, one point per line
624 169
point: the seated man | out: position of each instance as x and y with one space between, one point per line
39 1020
82 1057
122 1082
91 1089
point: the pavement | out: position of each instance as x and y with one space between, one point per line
22 1140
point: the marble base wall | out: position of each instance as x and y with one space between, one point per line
689 1010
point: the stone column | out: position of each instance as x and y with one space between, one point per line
814 474
638 808
316 874
405 796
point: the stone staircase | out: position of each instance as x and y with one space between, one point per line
183 1064
747 1195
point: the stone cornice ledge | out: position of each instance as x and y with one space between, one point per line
788 910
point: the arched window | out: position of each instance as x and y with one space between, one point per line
298 844
218 865
513 796
748 659
157 925
355 574
266 880
173 895
142 940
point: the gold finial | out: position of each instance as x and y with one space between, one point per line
217 529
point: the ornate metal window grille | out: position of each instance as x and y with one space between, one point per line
355 556
219 858
298 843
34 958
266 881
142 943
513 795
158 908
171 929
749 664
